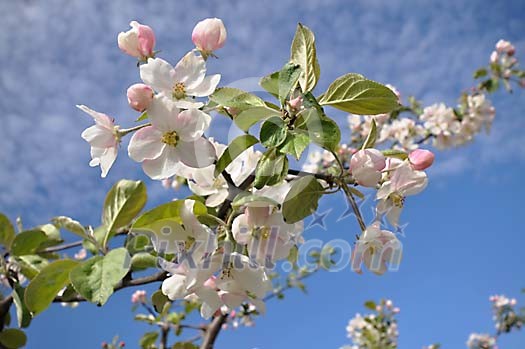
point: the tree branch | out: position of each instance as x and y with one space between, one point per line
212 332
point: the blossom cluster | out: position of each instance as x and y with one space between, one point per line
377 330
481 341
504 314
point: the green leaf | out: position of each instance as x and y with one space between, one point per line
245 198
353 93
302 199
148 340
370 140
159 299
142 116
13 338
371 305
480 73
271 83
295 144
7 231
170 210
356 192
142 261
138 244
123 202
394 153
22 313
319 128
288 77
184 345
236 147
96 278
31 265
44 287
246 119
273 132
271 168
28 242
235 98
63 222
303 53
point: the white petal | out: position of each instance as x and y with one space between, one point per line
162 113
107 159
201 190
158 74
164 166
146 144
218 198
191 124
241 230
188 103
210 301
206 87
100 118
196 154
190 70
175 286
99 136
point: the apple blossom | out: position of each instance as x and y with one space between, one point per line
173 138
441 122
421 159
265 233
366 166
138 42
103 138
139 96
138 296
504 46
183 82
376 248
481 341
209 35
402 181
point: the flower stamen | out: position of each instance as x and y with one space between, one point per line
170 138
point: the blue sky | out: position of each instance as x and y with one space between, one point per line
463 242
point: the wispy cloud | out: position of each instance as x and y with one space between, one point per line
63 52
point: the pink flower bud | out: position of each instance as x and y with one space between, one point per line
139 96
494 57
421 159
296 103
366 166
505 47
209 35
138 42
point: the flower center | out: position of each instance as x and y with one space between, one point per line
397 199
170 138
179 90
262 233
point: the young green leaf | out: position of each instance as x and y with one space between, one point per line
271 168
96 278
13 338
273 132
245 198
235 98
148 340
142 261
123 202
44 287
28 242
271 83
236 147
63 222
295 144
394 153
370 140
246 119
22 313
302 199
353 93
170 210
319 128
288 77
7 231
303 53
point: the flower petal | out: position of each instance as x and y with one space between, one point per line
99 136
100 118
190 70
146 144
158 74
218 198
191 124
206 87
162 113
164 166
197 154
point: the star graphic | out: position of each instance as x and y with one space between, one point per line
349 212
319 219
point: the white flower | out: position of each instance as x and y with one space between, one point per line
376 248
103 138
191 239
402 181
204 183
441 121
265 233
182 82
242 281
366 166
174 137
481 341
